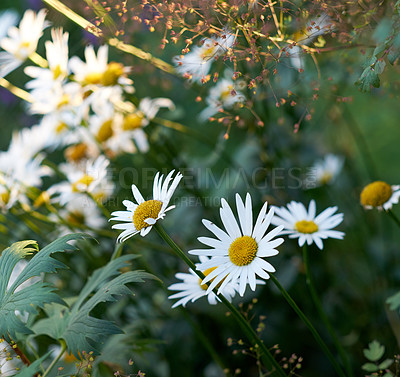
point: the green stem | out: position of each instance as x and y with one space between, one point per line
55 361
312 329
266 355
322 314
394 217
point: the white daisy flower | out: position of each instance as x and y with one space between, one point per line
317 26
58 129
142 216
89 178
80 211
57 57
21 42
191 288
238 252
96 71
196 64
305 225
324 171
380 195
223 95
123 132
22 164
59 98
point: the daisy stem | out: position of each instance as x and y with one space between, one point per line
268 359
322 314
55 361
312 329
394 217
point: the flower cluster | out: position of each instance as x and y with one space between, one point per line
84 112
236 256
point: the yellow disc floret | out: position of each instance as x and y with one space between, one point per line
243 250
105 131
93 78
376 194
146 210
113 72
76 153
305 226
5 197
206 273
83 183
133 121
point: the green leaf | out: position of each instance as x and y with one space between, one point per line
368 79
369 367
394 301
33 368
385 364
27 298
81 331
375 351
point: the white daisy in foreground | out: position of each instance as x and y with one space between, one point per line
304 225
324 171
380 195
238 252
191 288
142 216
196 64
21 42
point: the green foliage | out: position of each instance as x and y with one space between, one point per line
374 353
33 368
27 298
394 301
81 331
387 40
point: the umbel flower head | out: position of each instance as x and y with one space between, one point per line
237 253
305 225
191 288
379 195
142 215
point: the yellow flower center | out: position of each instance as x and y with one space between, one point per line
113 72
76 152
105 131
243 250
208 53
57 72
305 226
63 101
61 128
132 121
326 178
92 78
146 210
5 197
226 93
206 273
85 181
375 194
